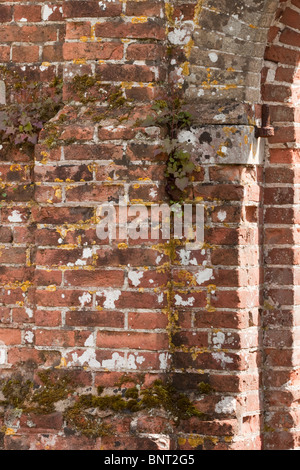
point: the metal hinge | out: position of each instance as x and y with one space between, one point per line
266 130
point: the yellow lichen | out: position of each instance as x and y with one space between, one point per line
139 19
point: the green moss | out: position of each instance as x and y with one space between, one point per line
132 393
130 378
116 99
177 404
82 421
44 399
85 412
16 391
204 388
82 84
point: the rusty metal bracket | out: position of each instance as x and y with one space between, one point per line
266 130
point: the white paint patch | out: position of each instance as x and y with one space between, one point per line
118 362
213 57
47 12
184 303
188 137
153 192
140 359
29 336
102 6
135 277
88 357
185 258
222 358
87 253
222 215
179 37
15 217
164 360
23 20
203 276
85 298
111 297
218 339
80 262
159 258
226 405
89 341
2 355
29 312
160 298
130 363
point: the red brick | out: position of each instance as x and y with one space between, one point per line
62 173
120 29
93 152
145 52
147 8
59 215
97 278
25 53
112 319
103 51
4 53
77 30
288 36
283 55
53 53
276 93
291 18
10 336
47 318
131 299
128 72
55 338
86 9
6 13
132 340
31 12
284 74
38 33
46 277
94 192
77 132
60 298
147 321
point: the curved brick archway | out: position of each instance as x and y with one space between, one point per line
107 314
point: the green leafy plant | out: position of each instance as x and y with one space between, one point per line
169 115
31 106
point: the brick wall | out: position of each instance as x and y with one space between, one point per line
217 325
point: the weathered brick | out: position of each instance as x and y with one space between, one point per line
103 51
